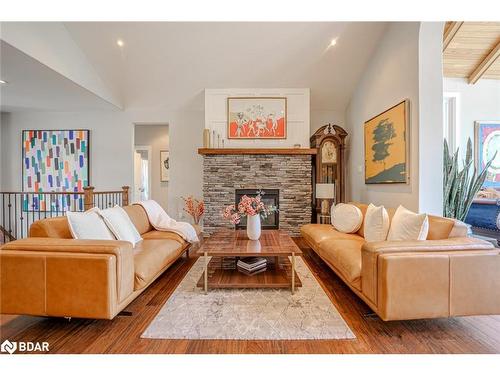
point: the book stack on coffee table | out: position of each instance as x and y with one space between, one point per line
252 266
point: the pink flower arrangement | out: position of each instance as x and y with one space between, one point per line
248 206
194 207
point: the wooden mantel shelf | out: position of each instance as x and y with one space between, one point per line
257 151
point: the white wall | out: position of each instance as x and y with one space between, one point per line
430 127
186 166
155 136
111 148
110 144
323 117
480 101
390 77
298 115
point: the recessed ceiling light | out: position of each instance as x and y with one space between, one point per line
120 43
333 42
2 82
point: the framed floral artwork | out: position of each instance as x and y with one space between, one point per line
256 117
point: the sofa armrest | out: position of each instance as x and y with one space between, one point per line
68 245
425 266
450 244
76 250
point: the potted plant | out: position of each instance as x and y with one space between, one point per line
254 209
195 208
459 187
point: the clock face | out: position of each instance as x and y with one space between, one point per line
492 145
328 153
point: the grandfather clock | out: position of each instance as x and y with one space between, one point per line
328 177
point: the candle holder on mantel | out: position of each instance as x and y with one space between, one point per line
206 138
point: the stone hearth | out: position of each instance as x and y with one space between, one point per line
291 174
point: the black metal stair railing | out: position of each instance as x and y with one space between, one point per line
18 210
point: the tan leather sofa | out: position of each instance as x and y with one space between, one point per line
447 275
51 274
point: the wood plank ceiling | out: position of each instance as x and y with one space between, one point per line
471 50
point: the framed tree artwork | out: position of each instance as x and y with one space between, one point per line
256 117
164 165
387 146
486 144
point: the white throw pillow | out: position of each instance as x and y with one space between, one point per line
376 223
346 218
120 224
88 225
408 226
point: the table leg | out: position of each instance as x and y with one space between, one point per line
206 273
293 273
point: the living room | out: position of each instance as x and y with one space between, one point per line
170 186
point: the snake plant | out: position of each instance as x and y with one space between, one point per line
459 188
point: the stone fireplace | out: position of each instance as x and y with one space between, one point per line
225 171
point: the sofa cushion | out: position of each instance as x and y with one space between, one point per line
151 257
346 218
459 229
408 226
139 218
315 234
376 223
439 227
363 207
54 227
162 235
345 256
88 225
120 224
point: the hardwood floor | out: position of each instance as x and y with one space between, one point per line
122 335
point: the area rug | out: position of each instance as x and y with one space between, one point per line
249 314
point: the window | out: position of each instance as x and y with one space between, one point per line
450 118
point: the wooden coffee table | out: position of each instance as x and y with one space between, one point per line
228 245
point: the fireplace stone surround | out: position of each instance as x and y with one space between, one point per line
290 173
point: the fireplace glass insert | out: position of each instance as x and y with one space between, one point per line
271 197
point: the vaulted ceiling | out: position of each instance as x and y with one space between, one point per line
32 86
471 50
169 64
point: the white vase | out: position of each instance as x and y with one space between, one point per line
253 227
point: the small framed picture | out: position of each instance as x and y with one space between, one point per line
164 165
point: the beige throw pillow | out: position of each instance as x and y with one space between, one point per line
120 224
346 218
376 223
88 225
408 226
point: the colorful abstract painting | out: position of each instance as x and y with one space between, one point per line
256 118
55 161
386 153
487 143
